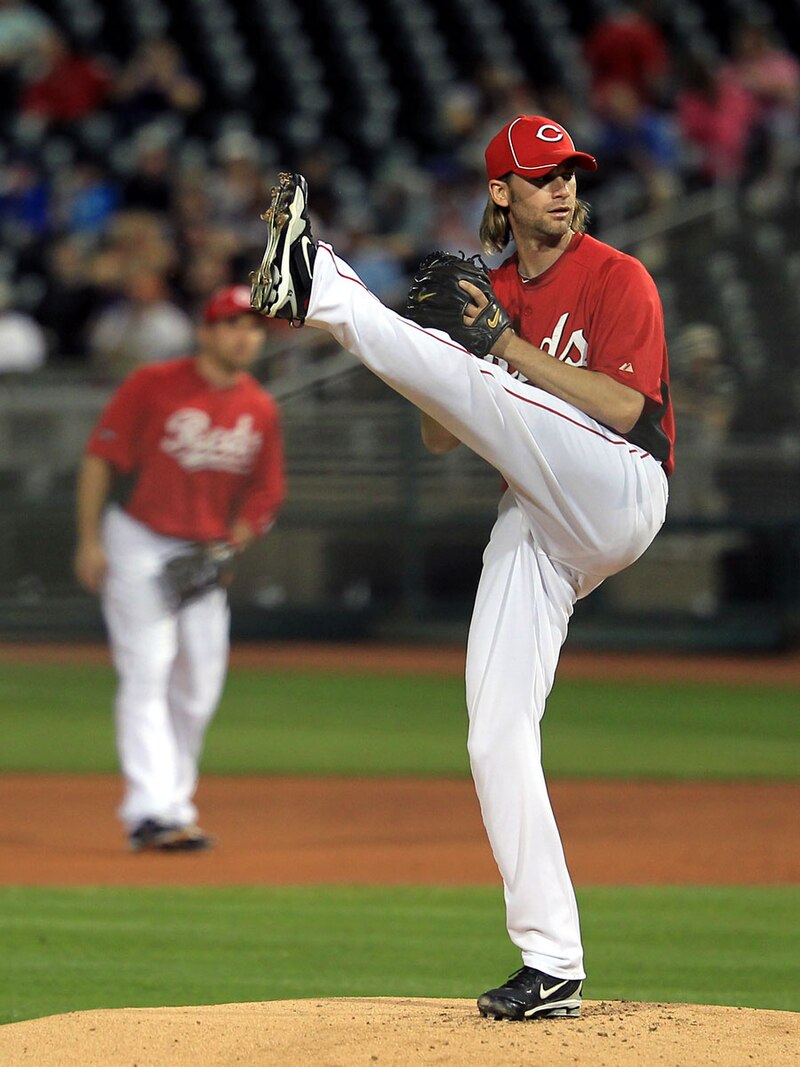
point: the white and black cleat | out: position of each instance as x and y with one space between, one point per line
281 287
531 994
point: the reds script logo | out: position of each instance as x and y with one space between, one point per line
196 445
573 352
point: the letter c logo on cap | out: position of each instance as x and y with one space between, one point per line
550 133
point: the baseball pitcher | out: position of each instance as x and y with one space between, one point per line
553 368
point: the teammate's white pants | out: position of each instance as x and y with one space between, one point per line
582 504
171 668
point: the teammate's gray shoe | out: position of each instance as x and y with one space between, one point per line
531 994
281 286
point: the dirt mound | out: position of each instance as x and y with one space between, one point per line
395 1032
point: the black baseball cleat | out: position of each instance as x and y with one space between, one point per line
281 286
531 994
154 836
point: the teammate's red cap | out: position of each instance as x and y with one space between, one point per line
228 303
531 145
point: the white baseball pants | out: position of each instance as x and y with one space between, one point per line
582 504
171 668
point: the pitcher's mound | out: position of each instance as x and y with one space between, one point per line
399 1032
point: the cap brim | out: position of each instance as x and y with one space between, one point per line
580 159
584 160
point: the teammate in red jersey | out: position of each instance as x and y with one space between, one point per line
572 408
201 441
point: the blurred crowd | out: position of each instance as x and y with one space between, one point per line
117 222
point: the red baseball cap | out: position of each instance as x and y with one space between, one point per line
530 146
228 303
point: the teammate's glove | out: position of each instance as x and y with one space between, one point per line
436 301
194 572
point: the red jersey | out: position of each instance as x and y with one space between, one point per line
625 49
202 456
74 87
599 308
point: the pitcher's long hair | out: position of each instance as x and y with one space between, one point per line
495 233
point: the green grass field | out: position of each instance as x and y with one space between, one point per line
59 719
69 949
66 950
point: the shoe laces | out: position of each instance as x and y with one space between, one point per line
523 978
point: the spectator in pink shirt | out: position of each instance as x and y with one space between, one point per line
772 74
716 119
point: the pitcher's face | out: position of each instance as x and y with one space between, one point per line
539 209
